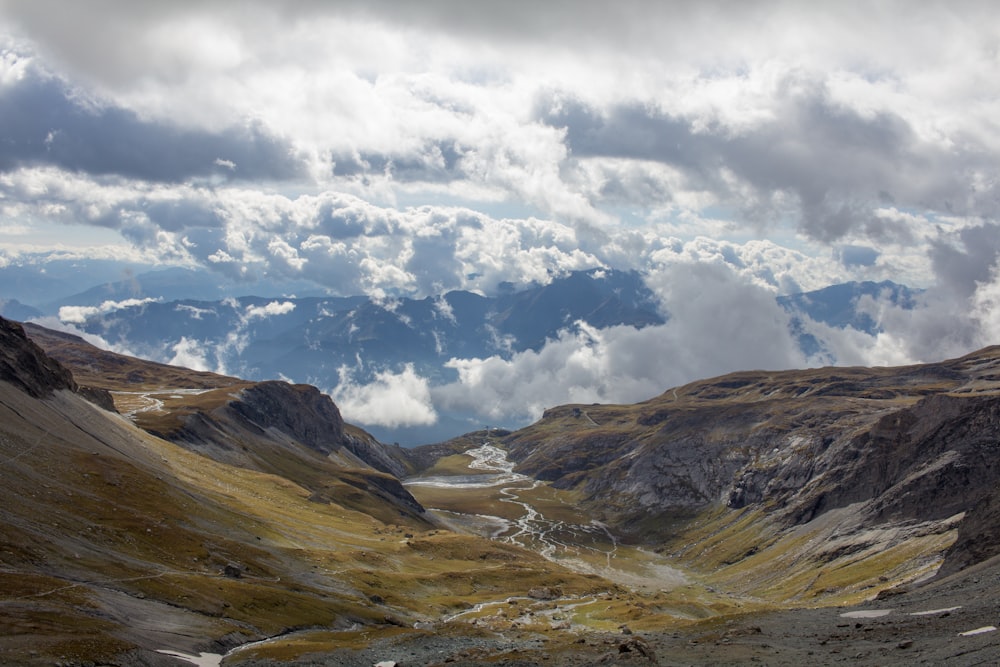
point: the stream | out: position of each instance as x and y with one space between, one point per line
553 539
583 545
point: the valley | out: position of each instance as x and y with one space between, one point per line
154 515
488 498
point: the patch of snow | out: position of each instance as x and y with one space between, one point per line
931 612
201 660
866 613
977 631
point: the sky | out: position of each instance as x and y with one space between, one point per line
730 151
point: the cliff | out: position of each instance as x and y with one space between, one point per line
895 445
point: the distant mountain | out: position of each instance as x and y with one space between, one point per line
312 338
176 283
13 309
838 306
48 284
49 281
308 339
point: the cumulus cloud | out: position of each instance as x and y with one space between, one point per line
79 314
269 310
392 400
47 124
814 136
718 323
189 353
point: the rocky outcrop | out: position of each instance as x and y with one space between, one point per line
298 410
377 455
25 365
934 460
296 431
899 445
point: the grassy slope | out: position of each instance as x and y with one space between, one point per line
100 517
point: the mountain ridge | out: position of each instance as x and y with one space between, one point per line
218 416
239 510
348 342
903 445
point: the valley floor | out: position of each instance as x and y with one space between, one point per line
944 623
951 621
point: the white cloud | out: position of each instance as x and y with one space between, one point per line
189 353
194 312
986 309
717 324
269 310
79 314
392 400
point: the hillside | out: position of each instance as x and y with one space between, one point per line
272 427
890 471
802 516
115 543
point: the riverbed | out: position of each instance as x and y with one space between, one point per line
529 513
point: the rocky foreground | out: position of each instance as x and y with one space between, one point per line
952 621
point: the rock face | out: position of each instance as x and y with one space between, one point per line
298 410
295 431
916 443
25 365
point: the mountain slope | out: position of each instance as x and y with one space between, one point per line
879 461
115 543
273 427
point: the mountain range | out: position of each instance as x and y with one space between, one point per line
330 341
781 517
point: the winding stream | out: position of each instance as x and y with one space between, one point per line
584 546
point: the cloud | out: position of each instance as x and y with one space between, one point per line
270 310
189 353
392 400
828 165
46 124
194 312
955 315
80 314
808 118
853 255
718 324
